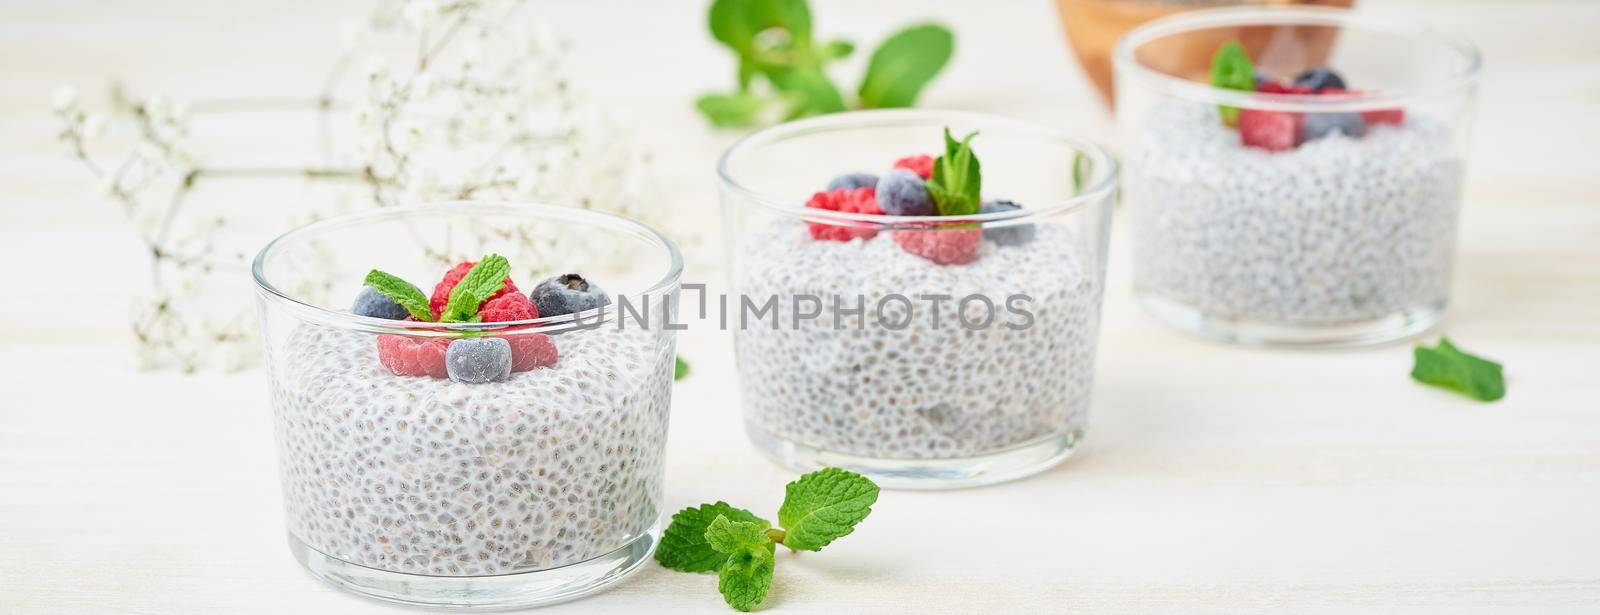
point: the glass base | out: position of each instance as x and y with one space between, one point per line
485 593
1370 332
998 467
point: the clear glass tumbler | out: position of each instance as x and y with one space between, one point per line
540 485
1323 218
873 342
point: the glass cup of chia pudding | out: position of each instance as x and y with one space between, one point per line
918 292
470 398
1305 189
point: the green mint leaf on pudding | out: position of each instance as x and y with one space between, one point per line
904 64
1231 70
684 546
481 282
1449 367
746 574
402 292
824 506
680 368
957 183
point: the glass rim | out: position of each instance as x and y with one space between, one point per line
1128 67
545 324
1099 158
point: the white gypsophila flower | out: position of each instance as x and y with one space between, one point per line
94 126
422 14
158 108
354 33
64 98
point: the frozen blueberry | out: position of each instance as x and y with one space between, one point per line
1013 235
1318 125
378 305
1319 79
853 181
567 294
478 359
903 193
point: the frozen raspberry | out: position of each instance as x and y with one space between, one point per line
946 246
530 350
857 201
507 307
921 165
441 292
1274 131
413 356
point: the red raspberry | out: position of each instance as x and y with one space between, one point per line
1273 87
441 292
413 356
946 246
855 201
1394 117
1274 131
507 307
530 350
921 165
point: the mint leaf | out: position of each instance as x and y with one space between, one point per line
1080 172
904 63
824 506
734 110
957 183
684 546
835 50
680 369
481 282
746 575
1447 366
736 23
808 90
1231 70
404 293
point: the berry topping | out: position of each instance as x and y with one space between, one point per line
1392 117
1273 131
441 292
530 350
567 294
478 359
857 201
852 181
506 308
922 165
902 193
413 356
1273 87
372 302
1319 79
1318 125
945 246
1013 235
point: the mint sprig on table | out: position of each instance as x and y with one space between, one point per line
1231 69
774 42
1449 367
957 182
485 279
818 508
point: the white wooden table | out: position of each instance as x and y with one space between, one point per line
1214 479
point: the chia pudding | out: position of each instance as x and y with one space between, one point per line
430 476
935 389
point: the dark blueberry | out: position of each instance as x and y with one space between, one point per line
1318 125
478 359
904 193
567 294
378 305
1319 79
853 181
1014 235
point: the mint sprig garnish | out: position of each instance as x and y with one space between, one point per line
1231 70
481 282
957 182
773 41
1449 367
402 292
818 508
